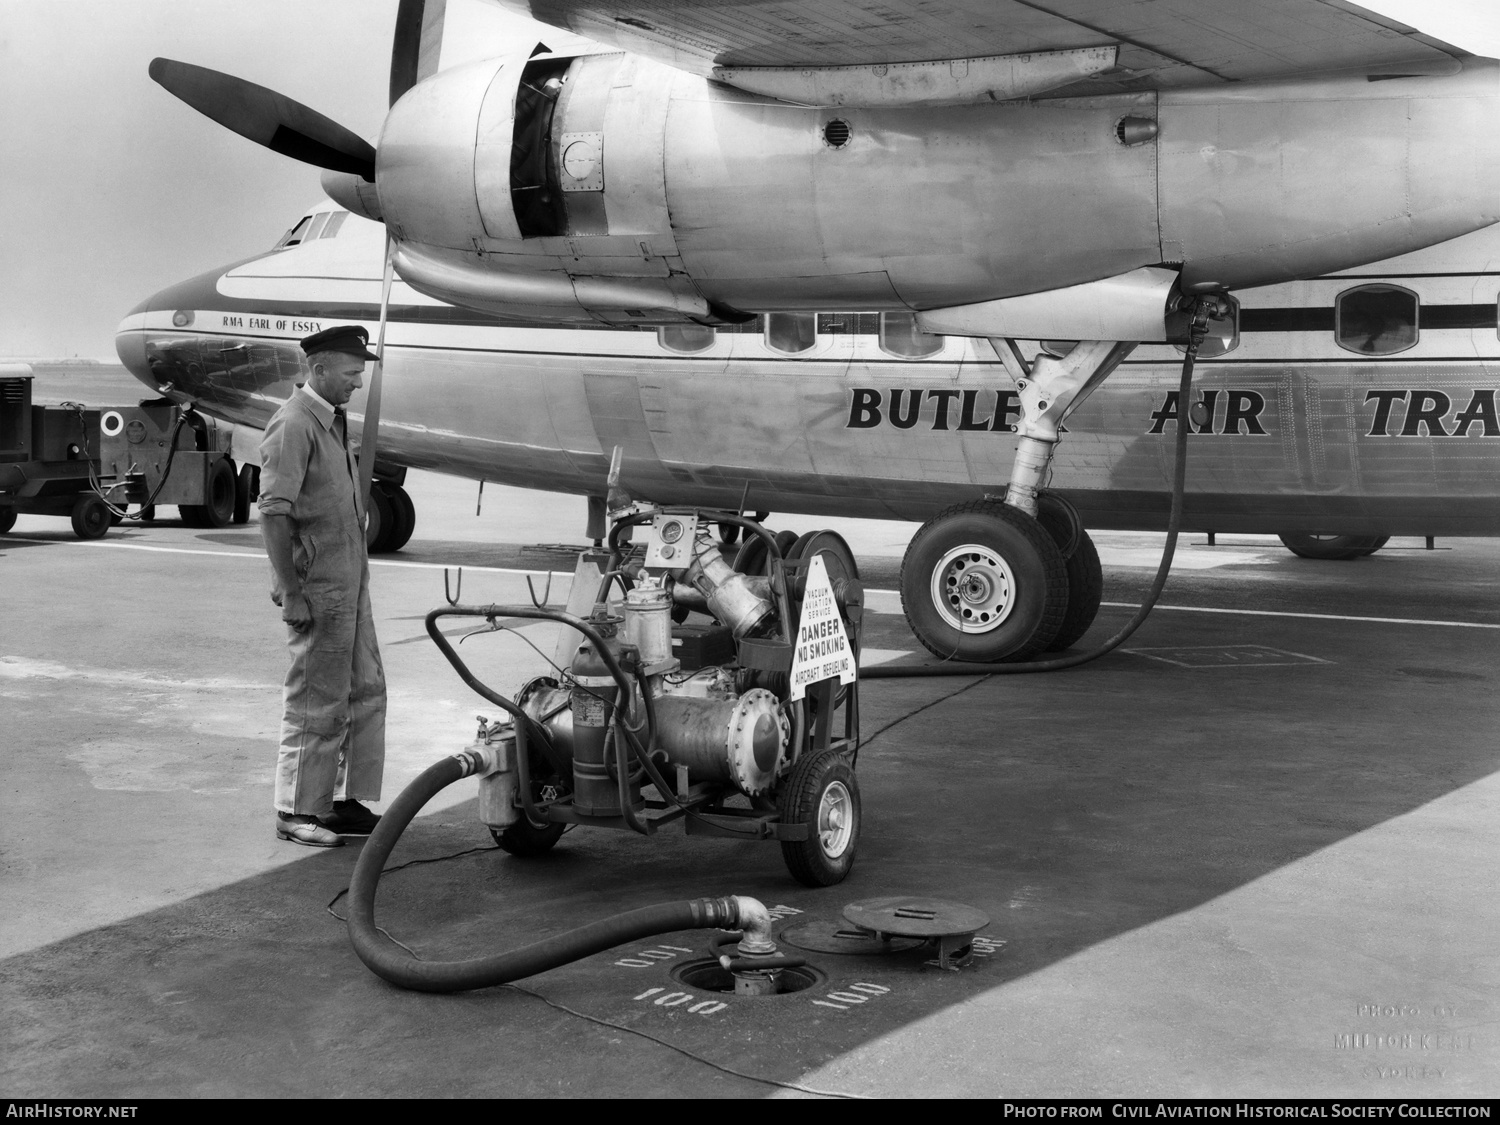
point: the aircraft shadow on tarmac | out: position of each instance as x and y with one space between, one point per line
1071 808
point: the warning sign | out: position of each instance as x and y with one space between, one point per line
822 649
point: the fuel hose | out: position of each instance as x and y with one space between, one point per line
1196 334
384 957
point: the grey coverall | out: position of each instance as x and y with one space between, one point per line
333 726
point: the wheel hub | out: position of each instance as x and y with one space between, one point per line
973 588
835 822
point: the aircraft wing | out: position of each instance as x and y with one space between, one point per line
1156 43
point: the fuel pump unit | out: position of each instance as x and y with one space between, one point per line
647 726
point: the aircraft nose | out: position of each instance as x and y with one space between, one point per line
130 346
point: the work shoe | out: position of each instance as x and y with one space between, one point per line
350 818
305 830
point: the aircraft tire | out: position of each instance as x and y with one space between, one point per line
90 517
382 526
219 496
7 519
1004 584
1315 545
1085 593
822 793
405 515
246 488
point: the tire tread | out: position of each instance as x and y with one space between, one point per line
1056 577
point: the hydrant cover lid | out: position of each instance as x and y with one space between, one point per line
915 916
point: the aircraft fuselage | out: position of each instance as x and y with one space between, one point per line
1293 431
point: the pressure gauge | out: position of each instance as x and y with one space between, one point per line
671 544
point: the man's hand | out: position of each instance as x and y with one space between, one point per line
296 611
286 584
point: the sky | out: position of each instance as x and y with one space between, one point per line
111 189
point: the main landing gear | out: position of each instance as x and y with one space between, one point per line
393 517
1313 545
1006 580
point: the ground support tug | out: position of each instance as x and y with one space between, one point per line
92 464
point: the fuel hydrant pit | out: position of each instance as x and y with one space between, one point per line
708 975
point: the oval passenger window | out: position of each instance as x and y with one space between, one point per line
685 338
1376 319
790 333
1223 333
900 336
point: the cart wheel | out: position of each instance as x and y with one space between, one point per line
148 513
823 794
7 519
525 839
90 517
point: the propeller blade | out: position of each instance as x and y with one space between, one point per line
415 46
267 118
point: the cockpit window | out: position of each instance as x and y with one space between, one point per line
900 336
1376 319
790 333
294 236
335 220
685 338
316 229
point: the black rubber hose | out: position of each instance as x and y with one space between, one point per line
388 960
1174 524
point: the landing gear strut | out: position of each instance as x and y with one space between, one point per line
992 580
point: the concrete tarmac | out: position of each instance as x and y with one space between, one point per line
1250 853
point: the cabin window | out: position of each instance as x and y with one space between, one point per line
335 220
790 333
685 338
1376 319
1223 333
900 336
294 236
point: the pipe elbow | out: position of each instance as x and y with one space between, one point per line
755 921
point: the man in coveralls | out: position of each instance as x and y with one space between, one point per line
312 518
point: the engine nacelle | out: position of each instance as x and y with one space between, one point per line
611 186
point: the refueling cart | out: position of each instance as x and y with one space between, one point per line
724 696
746 726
